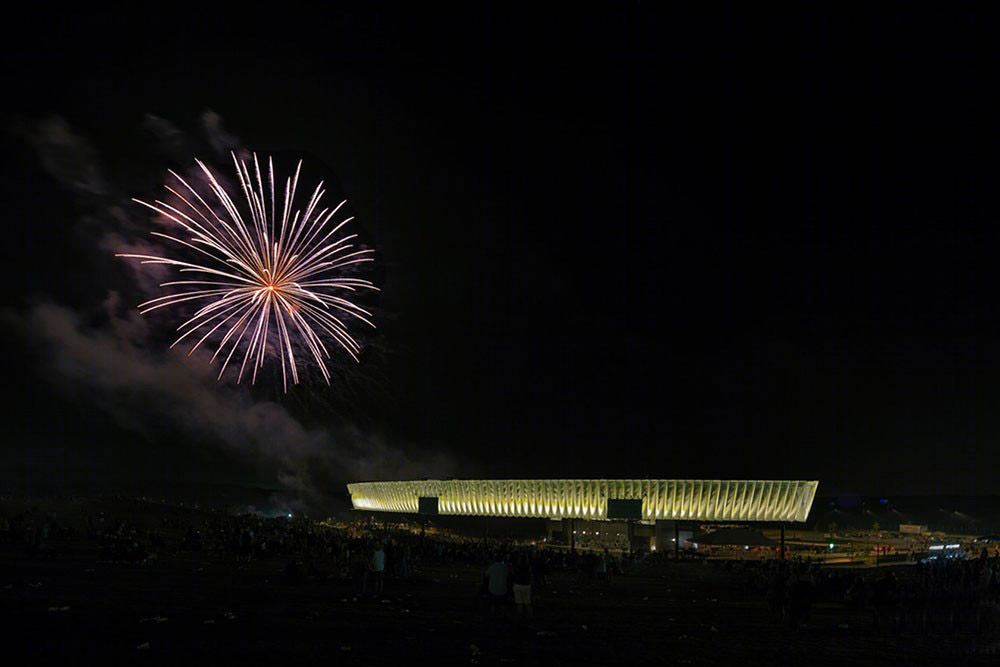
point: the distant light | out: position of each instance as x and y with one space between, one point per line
936 547
952 546
289 516
653 547
831 545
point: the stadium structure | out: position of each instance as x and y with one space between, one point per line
595 499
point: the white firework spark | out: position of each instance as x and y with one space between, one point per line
280 277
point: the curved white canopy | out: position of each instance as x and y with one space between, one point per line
691 500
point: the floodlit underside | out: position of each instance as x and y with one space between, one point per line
693 500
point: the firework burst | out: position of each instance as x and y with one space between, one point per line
275 282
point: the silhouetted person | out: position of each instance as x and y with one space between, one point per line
378 568
522 578
498 581
358 568
884 598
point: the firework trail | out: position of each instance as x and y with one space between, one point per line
281 277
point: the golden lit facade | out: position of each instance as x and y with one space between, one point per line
662 499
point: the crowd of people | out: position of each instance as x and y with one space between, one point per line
363 551
940 595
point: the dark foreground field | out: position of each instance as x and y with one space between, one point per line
74 609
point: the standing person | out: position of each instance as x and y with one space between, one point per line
358 569
404 561
244 545
522 585
378 568
498 580
538 567
602 565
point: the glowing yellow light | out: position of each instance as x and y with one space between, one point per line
570 498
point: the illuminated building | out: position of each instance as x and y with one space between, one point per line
645 499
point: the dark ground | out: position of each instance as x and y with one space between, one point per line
202 610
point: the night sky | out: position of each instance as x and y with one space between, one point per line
609 246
